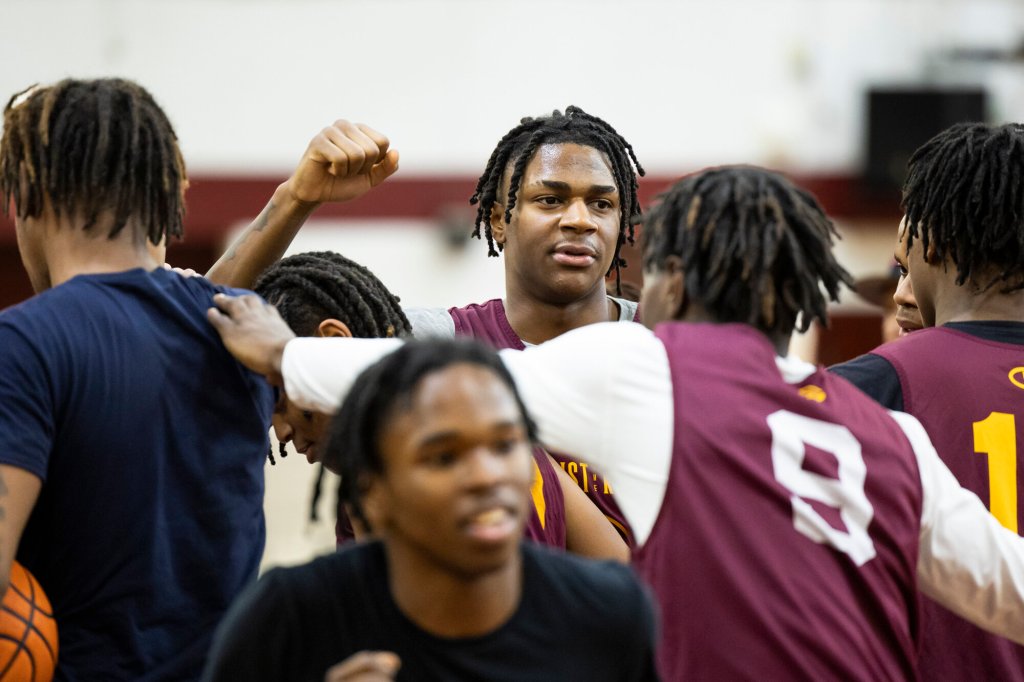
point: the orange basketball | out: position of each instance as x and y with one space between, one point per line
28 631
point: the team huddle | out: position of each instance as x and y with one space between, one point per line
558 484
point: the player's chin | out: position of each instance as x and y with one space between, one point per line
568 286
476 560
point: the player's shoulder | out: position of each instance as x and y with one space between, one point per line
485 306
629 311
48 317
344 569
601 588
199 288
430 323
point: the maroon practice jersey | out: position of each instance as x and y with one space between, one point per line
786 545
487 322
967 392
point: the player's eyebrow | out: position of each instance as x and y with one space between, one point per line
565 187
453 435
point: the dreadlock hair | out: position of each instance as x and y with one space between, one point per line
963 198
518 146
386 388
93 147
308 288
755 248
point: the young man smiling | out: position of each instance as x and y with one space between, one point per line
434 448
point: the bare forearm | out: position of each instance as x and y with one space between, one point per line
263 242
19 491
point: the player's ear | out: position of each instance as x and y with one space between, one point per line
331 327
498 224
675 287
374 502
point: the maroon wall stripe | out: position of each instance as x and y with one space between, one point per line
215 203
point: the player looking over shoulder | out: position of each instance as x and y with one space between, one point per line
113 447
784 520
962 246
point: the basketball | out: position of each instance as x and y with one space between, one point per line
28 631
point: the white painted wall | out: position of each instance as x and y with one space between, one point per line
688 82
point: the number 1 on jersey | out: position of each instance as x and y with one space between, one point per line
996 435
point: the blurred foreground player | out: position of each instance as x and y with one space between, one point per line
126 429
784 519
433 445
962 243
324 294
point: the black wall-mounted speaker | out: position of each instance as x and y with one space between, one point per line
902 119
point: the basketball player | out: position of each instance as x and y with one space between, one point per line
324 294
880 291
962 243
434 449
128 487
784 519
557 197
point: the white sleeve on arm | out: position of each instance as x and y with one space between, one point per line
604 393
967 561
319 372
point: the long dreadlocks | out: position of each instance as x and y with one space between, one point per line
92 147
516 149
754 247
964 199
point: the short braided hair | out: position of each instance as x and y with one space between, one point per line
964 199
88 147
515 150
755 248
309 288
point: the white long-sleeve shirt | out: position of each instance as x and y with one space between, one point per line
605 389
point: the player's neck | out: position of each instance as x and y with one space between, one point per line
535 320
446 604
965 306
72 251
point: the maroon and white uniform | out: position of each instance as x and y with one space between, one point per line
975 416
781 516
789 527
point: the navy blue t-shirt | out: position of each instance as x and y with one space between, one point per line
150 440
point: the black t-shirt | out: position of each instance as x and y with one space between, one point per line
577 620
874 375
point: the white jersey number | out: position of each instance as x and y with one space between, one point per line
790 433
